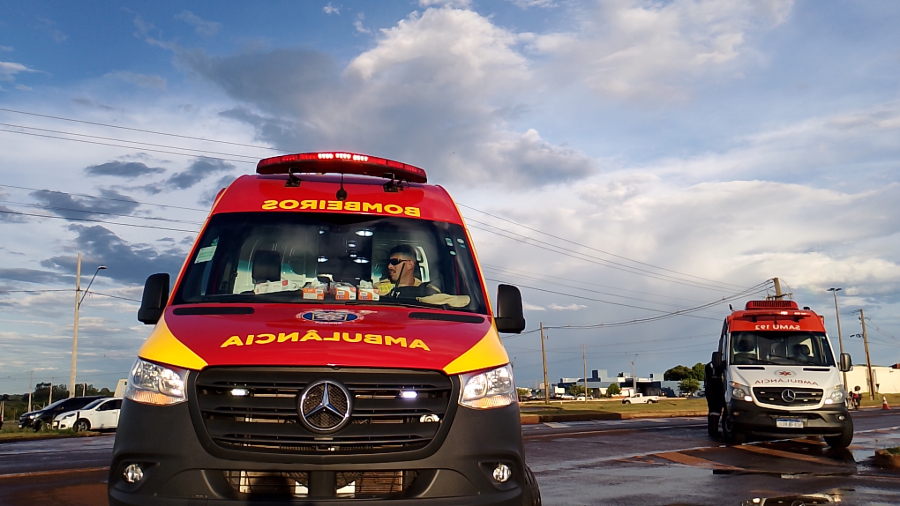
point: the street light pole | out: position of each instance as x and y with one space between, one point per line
837 315
633 379
79 297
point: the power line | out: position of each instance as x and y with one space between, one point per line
252 158
592 299
97 221
635 321
88 211
591 259
595 249
139 130
130 201
121 146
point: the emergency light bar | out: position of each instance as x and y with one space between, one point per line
341 163
771 304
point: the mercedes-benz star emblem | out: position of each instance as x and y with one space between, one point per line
324 406
788 395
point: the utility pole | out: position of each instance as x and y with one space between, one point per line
862 318
75 332
633 378
778 295
584 362
546 379
30 390
837 315
50 399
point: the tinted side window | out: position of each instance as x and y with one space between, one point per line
116 404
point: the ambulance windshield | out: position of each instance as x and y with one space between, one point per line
781 348
334 259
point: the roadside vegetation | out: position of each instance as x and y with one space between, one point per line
665 407
11 432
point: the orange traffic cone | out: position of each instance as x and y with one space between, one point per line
884 404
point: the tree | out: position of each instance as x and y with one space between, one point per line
699 372
678 373
689 385
576 390
613 389
523 393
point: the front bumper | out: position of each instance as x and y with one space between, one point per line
748 417
178 470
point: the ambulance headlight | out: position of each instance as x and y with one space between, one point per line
151 383
741 392
837 395
488 389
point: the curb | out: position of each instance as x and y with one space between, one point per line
887 460
581 417
48 436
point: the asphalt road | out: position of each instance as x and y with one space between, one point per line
664 461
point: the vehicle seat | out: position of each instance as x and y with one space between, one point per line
800 351
745 348
778 350
266 266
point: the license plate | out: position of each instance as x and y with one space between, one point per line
789 424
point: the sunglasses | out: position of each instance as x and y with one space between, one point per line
395 261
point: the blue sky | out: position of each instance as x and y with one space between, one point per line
730 141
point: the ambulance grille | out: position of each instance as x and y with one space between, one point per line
801 396
255 409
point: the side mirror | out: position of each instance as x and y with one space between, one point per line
717 363
156 294
509 318
846 363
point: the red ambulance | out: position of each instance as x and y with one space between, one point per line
329 340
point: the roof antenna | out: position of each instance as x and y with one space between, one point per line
341 193
731 307
293 181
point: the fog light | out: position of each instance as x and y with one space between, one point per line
842 417
133 473
502 473
429 418
239 392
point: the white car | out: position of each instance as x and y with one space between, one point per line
100 414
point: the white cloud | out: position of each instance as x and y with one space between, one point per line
635 49
331 9
8 70
531 307
525 4
201 26
6 49
461 4
570 307
359 24
143 80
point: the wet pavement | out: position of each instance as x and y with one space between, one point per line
665 461
669 462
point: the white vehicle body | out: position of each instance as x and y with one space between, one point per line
100 414
641 399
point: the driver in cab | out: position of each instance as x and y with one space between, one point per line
402 283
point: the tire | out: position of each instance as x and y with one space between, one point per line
712 425
81 425
626 402
844 439
730 433
532 493
36 425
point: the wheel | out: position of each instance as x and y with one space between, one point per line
81 425
36 425
730 432
712 425
844 439
532 495
626 402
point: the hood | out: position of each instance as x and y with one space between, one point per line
198 336
786 376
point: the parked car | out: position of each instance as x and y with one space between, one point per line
641 399
100 414
38 418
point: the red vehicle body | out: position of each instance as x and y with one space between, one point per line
289 364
